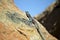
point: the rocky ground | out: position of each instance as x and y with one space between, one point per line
15 25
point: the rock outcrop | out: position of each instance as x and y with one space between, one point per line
15 24
50 19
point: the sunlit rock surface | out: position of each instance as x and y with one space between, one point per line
50 19
14 24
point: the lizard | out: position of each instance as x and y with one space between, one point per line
35 23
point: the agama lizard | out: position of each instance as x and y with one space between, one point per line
35 23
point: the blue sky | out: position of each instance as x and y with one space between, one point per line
33 6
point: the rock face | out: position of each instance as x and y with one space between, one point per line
15 24
50 18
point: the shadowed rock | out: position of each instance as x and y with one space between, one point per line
50 19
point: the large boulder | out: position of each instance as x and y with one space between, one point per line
15 25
